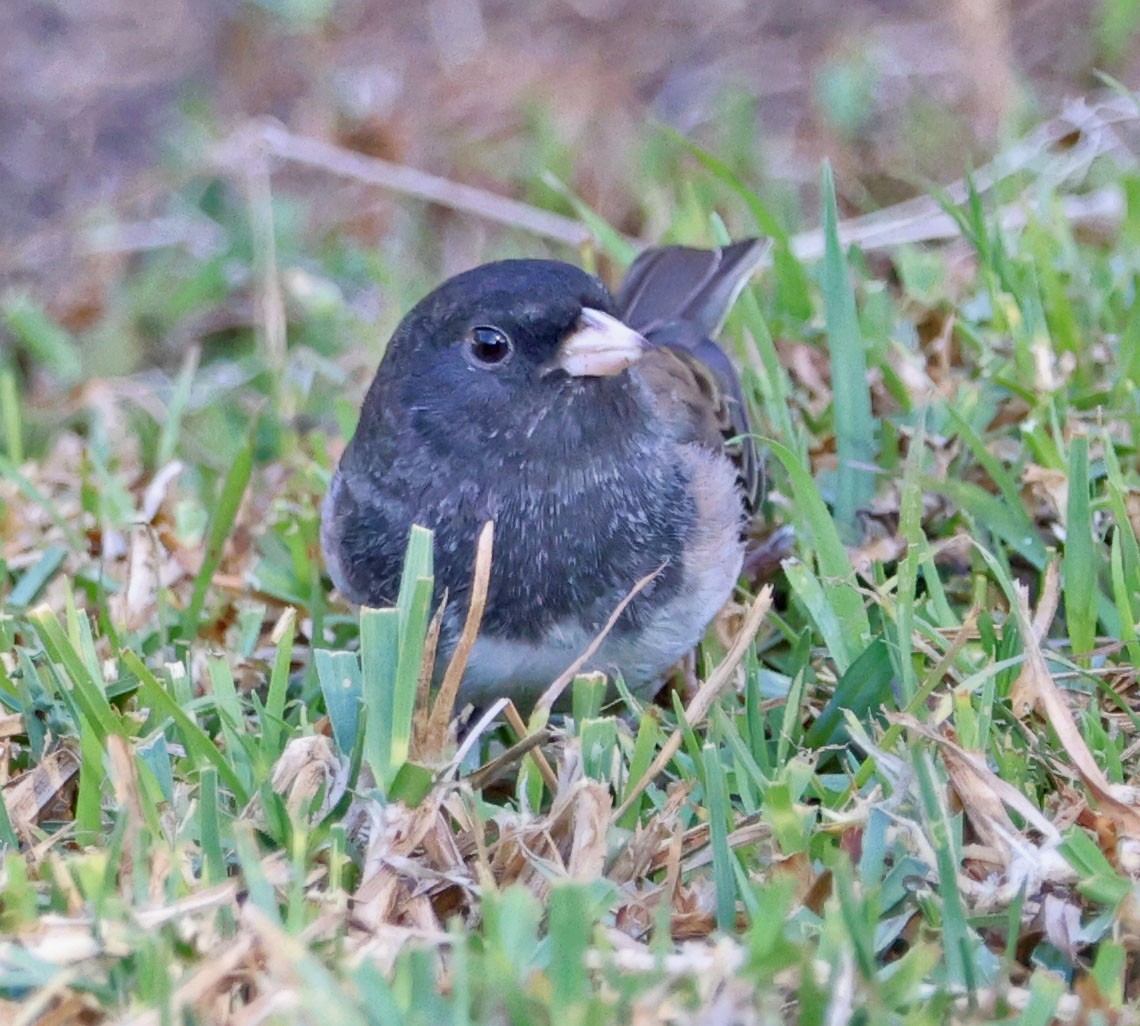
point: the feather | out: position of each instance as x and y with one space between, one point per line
678 298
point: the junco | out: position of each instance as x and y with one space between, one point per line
605 437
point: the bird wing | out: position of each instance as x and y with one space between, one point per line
678 298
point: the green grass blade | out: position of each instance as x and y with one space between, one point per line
1122 595
1006 482
991 513
379 659
608 237
261 892
391 654
958 940
815 598
910 526
209 828
1117 493
791 729
818 534
273 722
199 745
1045 993
232 718
855 914
863 688
36 577
176 409
92 774
342 686
767 375
1080 562
414 604
49 344
719 810
11 418
221 523
88 690
1128 354
644 749
570 928
8 840
854 424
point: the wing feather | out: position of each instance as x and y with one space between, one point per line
678 298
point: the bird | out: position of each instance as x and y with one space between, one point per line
605 435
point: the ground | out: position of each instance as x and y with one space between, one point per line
897 782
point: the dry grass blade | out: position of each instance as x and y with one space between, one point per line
123 771
984 794
29 794
434 735
472 739
923 219
708 693
11 725
213 978
1047 601
514 718
218 896
308 767
659 832
481 777
945 665
1024 694
1035 688
271 137
554 692
55 1005
913 221
567 841
693 845
396 832
591 813
423 708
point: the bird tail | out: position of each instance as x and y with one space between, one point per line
678 283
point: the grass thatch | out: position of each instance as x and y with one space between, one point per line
903 791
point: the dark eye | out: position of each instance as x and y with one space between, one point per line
487 347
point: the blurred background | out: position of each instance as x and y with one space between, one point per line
114 113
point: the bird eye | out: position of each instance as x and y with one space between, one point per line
487 347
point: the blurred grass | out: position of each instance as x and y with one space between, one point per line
211 808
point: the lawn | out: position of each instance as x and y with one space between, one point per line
902 787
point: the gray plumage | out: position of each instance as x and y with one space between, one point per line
594 476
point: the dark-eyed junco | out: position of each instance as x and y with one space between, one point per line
605 437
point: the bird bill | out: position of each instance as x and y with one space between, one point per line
599 346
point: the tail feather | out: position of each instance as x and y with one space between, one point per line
677 283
